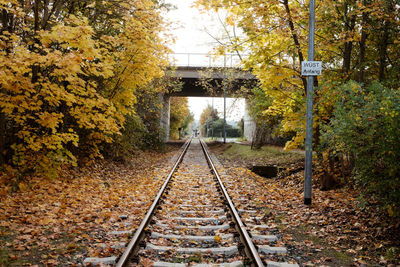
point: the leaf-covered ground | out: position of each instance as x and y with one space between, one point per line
59 222
62 221
338 229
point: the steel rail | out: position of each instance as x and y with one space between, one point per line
251 250
134 243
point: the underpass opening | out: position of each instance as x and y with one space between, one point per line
206 86
204 116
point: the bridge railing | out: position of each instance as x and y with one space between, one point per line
204 60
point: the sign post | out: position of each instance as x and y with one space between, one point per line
310 68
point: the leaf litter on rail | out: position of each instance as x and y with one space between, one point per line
333 217
72 215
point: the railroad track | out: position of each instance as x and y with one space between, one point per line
193 221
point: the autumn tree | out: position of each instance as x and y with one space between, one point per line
207 117
142 128
355 40
70 71
180 116
275 36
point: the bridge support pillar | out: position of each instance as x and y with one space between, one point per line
164 116
249 123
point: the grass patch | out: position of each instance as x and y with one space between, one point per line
36 254
266 154
336 258
178 258
4 258
9 259
279 218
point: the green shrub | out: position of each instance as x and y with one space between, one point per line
366 125
216 127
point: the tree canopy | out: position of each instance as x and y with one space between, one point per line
207 116
71 72
357 41
180 117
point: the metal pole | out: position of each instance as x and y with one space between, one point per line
212 119
309 118
225 103
224 60
207 128
224 115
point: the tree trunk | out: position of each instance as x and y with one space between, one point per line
328 180
2 138
35 68
295 40
384 41
364 36
383 44
36 15
348 45
6 20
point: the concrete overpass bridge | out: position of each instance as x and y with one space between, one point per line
190 77
217 72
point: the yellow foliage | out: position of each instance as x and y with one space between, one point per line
71 81
275 37
179 115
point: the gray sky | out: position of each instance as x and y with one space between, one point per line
191 38
189 28
234 107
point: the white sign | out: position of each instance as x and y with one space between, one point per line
311 68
